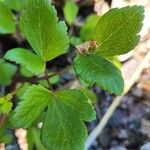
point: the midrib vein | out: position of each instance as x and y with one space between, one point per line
119 28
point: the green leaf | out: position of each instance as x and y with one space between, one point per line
5 105
71 10
7 71
34 102
63 127
32 62
94 69
67 111
5 136
21 88
7 22
52 80
117 31
87 29
75 41
91 96
77 101
39 24
33 138
24 72
17 5
114 60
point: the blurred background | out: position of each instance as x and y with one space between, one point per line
129 125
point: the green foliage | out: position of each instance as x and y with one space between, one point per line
63 126
33 103
7 71
76 100
6 104
24 72
32 62
114 34
70 11
33 138
17 5
94 69
7 21
5 137
116 31
40 25
91 96
87 29
64 111
114 60
75 41
52 80
21 89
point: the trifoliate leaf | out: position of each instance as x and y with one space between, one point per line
17 5
117 31
67 111
6 104
7 22
94 69
40 25
34 101
70 11
63 127
87 29
32 62
7 71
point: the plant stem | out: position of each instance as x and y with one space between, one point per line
36 79
56 73
2 120
15 91
47 79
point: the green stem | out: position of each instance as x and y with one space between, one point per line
56 73
47 78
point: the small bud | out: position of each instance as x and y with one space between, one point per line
87 47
